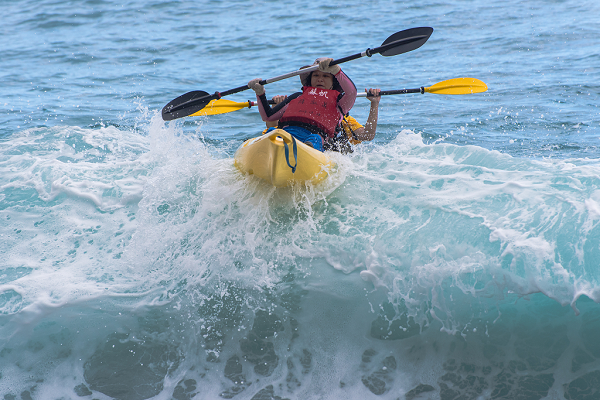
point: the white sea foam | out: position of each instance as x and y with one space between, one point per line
441 235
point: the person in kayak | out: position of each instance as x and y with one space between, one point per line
353 131
312 116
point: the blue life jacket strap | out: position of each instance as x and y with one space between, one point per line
287 154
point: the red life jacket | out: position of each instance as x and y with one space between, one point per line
316 107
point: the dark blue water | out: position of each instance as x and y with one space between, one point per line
457 256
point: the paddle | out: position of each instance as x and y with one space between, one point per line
223 106
400 42
451 86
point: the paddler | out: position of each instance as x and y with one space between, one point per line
355 133
312 116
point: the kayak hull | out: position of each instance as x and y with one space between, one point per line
265 157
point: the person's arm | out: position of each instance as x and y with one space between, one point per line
349 97
368 131
276 100
268 113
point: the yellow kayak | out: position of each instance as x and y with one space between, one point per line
280 159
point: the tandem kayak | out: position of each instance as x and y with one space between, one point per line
280 159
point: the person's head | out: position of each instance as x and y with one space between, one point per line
319 79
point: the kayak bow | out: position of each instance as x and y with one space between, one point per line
280 159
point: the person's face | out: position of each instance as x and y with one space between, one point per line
321 80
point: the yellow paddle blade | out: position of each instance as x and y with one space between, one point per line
220 106
458 86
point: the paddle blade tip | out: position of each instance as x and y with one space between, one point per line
166 114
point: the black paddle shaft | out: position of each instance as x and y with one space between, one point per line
398 43
399 91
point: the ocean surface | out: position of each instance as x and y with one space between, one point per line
456 256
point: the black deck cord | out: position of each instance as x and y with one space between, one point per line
349 128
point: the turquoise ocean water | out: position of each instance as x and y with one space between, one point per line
457 256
